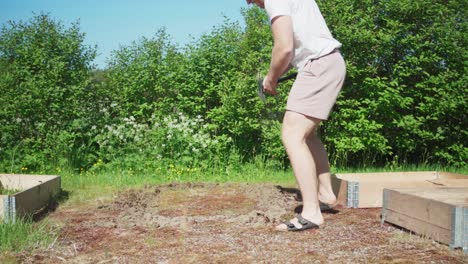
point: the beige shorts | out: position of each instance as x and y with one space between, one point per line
317 86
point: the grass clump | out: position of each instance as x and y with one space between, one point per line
25 234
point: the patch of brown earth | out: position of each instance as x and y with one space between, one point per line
226 223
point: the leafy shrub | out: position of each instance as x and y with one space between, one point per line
404 100
174 138
406 86
44 70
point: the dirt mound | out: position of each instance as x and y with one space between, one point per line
178 205
226 223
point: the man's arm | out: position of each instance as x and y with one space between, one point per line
282 53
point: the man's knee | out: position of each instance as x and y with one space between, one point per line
291 135
297 128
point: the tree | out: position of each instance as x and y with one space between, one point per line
405 96
43 84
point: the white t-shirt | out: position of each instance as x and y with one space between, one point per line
312 38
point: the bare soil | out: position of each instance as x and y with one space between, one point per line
226 223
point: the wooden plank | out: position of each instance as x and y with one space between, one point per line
453 176
433 212
31 200
442 182
388 176
340 188
370 193
418 226
450 195
22 181
413 203
371 185
36 192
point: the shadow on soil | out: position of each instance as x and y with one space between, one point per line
52 206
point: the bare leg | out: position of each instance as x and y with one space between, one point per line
295 131
325 190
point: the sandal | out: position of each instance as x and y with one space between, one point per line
306 224
327 207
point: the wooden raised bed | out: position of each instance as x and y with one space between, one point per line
364 190
439 213
35 192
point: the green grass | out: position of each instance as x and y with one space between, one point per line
25 234
256 171
89 185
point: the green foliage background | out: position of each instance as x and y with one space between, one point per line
404 100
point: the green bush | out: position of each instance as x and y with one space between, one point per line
404 99
144 77
405 94
43 88
143 147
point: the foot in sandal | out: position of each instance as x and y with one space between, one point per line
297 224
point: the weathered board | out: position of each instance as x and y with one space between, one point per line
364 190
36 191
439 213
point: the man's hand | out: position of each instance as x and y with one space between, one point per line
269 85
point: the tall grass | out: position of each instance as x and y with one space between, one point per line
106 182
24 234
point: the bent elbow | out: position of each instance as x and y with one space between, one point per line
286 51
289 52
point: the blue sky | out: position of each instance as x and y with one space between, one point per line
111 23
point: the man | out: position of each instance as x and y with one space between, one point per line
303 40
